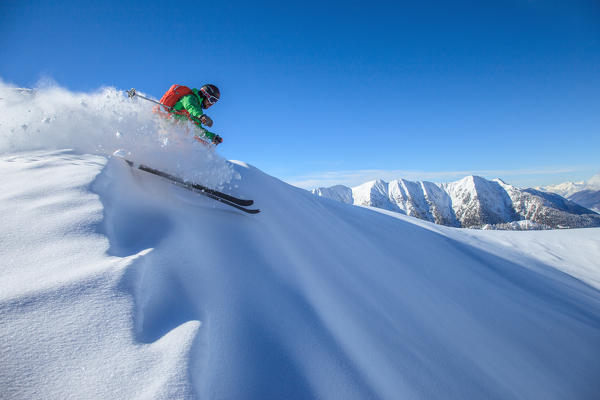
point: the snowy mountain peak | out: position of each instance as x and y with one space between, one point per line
477 201
374 193
586 193
567 189
466 181
338 192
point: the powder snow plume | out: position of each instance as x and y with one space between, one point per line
101 122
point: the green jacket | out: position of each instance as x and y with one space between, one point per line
192 103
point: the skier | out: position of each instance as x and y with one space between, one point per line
182 103
189 105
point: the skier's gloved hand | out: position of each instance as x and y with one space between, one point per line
217 139
206 120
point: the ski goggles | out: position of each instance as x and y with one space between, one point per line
209 97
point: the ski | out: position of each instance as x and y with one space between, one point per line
203 190
197 187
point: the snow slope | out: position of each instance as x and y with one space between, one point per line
119 285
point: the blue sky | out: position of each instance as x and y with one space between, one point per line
345 92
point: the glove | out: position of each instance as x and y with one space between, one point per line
217 139
206 120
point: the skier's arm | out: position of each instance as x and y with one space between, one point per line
191 104
213 137
204 132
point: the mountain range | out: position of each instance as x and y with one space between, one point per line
472 202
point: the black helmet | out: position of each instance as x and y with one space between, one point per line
210 93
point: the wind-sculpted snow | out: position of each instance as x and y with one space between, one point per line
100 123
117 284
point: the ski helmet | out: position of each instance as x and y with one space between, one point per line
210 93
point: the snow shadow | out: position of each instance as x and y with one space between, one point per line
161 301
136 226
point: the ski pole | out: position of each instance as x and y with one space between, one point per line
132 93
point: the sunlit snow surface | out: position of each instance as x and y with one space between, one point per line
116 284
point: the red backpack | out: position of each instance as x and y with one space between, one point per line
172 96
